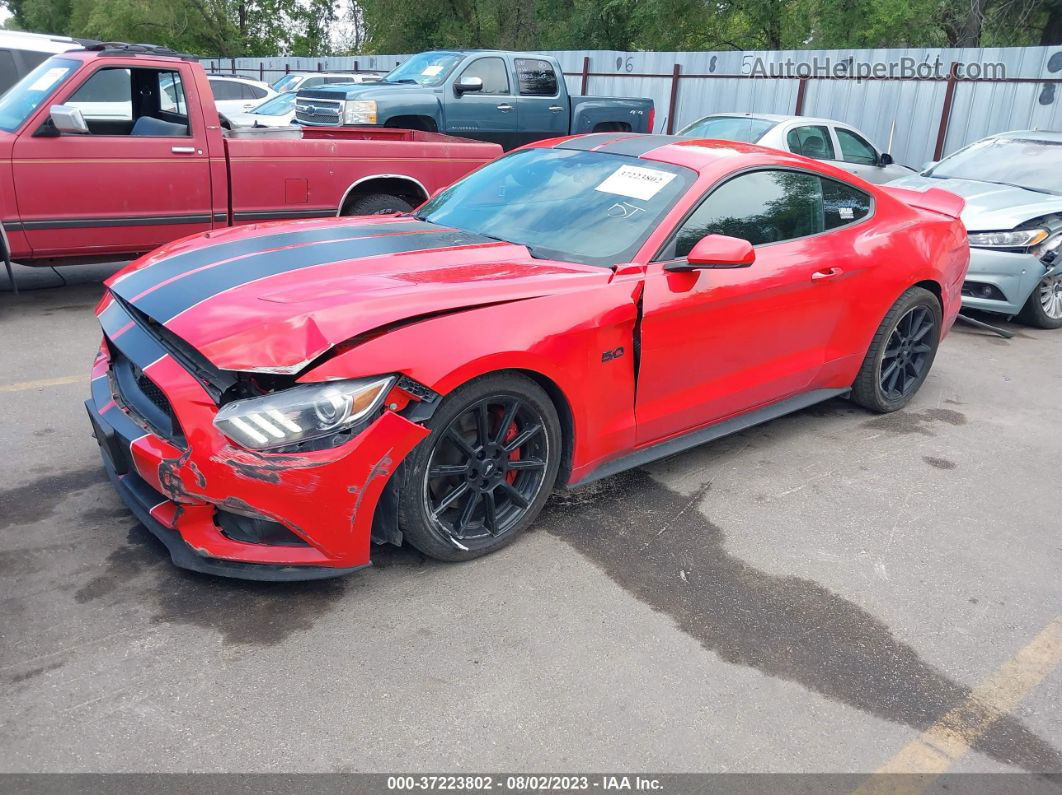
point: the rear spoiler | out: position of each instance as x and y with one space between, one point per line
935 200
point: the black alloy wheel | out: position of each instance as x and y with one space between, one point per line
907 354
901 353
486 470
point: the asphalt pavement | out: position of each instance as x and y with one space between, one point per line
822 593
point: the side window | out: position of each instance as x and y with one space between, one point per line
843 204
171 94
8 70
492 72
812 141
310 82
537 78
760 207
106 95
226 89
854 149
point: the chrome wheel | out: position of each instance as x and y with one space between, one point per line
1051 296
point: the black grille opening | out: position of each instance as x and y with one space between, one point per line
255 531
982 290
143 398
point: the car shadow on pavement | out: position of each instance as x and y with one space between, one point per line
658 546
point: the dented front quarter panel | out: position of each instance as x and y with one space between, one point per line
570 340
326 497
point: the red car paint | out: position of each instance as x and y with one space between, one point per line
91 197
395 295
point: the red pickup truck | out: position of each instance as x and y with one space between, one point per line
109 151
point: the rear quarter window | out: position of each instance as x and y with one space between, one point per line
842 204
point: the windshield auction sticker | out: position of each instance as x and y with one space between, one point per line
48 79
635 182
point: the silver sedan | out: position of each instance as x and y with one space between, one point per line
1012 184
822 139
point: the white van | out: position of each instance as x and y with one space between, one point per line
21 52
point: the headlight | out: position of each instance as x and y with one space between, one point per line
359 111
1019 238
1048 252
301 413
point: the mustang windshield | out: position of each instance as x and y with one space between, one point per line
427 68
27 94
1020 162
563 204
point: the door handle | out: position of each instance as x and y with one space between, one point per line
505 107
556 108
183 150
826 273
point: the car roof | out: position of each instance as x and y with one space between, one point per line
1039 135
775 117
238 78
37 42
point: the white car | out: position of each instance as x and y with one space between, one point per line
234 94
822 139
276 112
21 52
293 82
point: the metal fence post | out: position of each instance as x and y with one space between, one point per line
802 90
261 72
586 74
233 62
676 74
945 112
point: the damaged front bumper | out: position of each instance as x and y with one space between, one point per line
1001 281
221 509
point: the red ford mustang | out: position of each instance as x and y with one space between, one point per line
271 399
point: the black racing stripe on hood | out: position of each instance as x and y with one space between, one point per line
638 145
138 281
172 299
584 143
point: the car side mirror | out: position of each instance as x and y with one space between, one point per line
68 119
468 84
885 160
717 251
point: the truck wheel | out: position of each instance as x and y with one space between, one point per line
377 204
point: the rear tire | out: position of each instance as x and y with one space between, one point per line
1043 308
901 353
377 204
482 476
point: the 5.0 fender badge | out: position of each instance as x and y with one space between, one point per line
608 356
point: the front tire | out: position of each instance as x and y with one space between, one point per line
901 353
1043 308
485 472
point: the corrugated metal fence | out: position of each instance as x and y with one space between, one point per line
945 99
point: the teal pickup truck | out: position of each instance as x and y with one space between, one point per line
509 98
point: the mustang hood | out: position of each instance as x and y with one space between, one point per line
989 206
273 298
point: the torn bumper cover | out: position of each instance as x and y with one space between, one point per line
224 510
